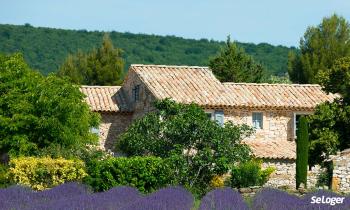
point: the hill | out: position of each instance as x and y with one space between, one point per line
46 48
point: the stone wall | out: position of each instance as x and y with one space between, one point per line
277 125
112 125
284 174
146 98
341 172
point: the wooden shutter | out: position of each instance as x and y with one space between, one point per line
219 117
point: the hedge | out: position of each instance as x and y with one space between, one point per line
249 174
43 173
147 174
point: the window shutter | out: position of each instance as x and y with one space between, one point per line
257 120
219 117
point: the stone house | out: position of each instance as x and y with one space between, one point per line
272 109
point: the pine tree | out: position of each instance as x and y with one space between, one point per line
320 47
302 152
102 66
234 65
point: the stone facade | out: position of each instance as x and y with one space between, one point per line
341 172
145 99
284 174
277 124
115 123
112 125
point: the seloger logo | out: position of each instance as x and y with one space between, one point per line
327 200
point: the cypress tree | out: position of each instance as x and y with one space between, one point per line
302 152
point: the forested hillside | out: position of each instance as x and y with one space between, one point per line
46 48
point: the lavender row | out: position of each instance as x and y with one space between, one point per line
74 196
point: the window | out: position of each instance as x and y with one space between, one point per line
136 93
257 120
209 115
296 122
217 115
95 130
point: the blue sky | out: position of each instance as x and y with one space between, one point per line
272 21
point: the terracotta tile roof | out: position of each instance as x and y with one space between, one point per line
196 84
279 96
272 149
187 84
183 84
105 98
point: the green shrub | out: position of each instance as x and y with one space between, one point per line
145 173
4 181
249 173
43 173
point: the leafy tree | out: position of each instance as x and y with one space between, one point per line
320 47
302 153
39 112
46 49
234 65
197 147
337 79
103 66
278 79
324 136
330 127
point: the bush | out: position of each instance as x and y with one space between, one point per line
4 181
145 173
249 174
198 148
217 181
223 199
269 198
77 197
170 198
43 173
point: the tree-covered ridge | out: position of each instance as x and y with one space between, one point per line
45 49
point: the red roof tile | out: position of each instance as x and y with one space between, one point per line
104 98
183 84
272 149
279 96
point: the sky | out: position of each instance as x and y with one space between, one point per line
278 22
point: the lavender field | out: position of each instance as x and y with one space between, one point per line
74 196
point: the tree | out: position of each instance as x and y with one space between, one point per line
103 66
278 79
198 147
320 47
234 65
39 112
302 153
330 125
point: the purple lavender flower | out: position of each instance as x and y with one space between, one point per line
223 199
273 199
171 198
15 197
66 190
114 199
